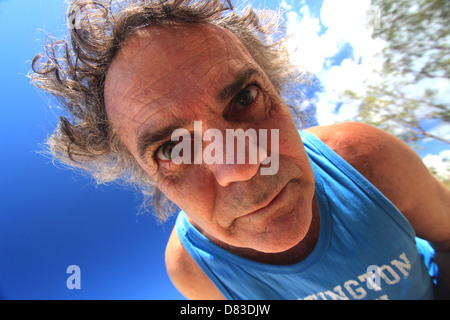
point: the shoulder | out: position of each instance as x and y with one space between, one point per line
377 155
365 147
397 171
186 275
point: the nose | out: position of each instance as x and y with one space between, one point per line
237 158
226 174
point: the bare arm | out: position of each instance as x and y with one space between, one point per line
423 199
186 275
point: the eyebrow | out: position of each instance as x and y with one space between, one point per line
149 138
240 80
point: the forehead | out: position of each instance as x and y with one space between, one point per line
160 68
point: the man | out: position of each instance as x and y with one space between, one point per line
336 219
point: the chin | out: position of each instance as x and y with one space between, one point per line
283 233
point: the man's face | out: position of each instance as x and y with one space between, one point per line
166 78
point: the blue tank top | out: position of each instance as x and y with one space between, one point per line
366 248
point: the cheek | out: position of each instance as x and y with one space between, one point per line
290 144
193 191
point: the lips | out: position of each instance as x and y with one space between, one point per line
270 202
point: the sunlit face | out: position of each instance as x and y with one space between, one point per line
166 78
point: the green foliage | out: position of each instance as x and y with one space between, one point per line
415 30
418 36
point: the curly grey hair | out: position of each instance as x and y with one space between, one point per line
74 71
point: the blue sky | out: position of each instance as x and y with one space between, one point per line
51 217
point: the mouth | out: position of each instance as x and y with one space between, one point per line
270 203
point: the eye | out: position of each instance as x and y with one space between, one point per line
164 153
246 97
